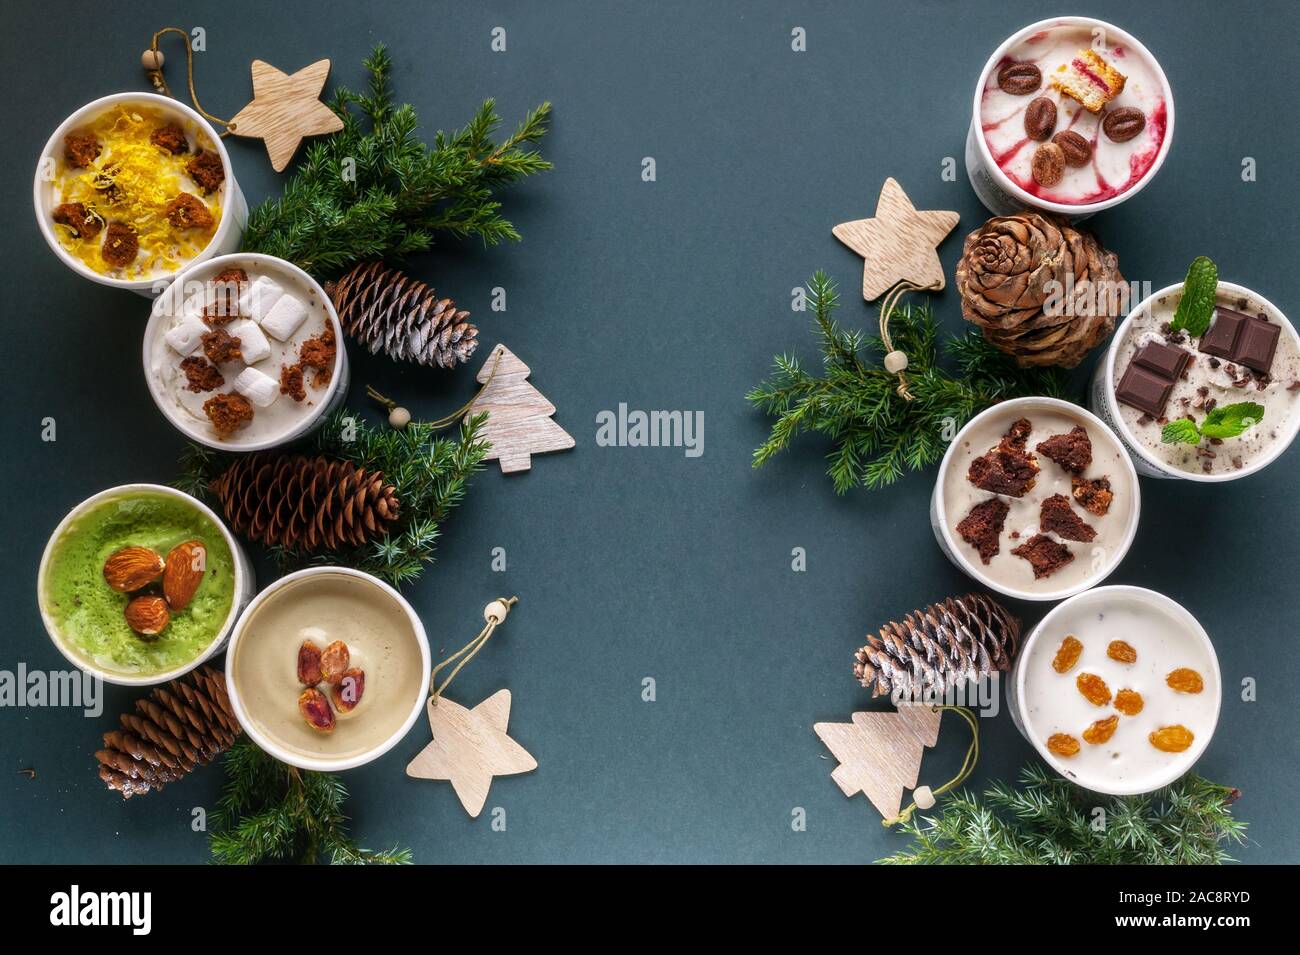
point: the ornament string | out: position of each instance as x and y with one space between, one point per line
895 360
494 613
967 766
155 73
389 404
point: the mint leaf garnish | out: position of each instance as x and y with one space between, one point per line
1229 421
1196 307
1181 431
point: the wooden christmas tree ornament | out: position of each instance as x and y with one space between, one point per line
898 244
286 108
519 421
471 746
880 752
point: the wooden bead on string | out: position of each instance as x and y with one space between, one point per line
152 59
895 362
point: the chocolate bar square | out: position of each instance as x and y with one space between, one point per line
1220 340
1143 389
1257 344
1165 360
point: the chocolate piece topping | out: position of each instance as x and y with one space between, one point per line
1072 451
1006 468
1257 344
1045 555
1095 496
1249 340
1056 515
1143 389
982 527
1220 339
1165 360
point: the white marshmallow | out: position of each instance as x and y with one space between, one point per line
284 318
185 336
259 298
252 343
259 388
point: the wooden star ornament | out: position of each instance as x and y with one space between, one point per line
898 244
286 109
470 747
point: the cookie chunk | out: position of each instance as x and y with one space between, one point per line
1007 468
319 353
171 138
982 527
1094 496
80 151
1072 451
228 413
1045 555
291 382
206 170
83 223
220 346
1056 515
120 245
201 375
188 212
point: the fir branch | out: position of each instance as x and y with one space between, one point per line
430 475
1048 820
374 190
271 812
879 435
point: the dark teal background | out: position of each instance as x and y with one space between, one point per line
639 562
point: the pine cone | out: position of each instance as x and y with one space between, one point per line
386 309
305 504
1040 289
178 727
946 644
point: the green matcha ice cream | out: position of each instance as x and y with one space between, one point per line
88 614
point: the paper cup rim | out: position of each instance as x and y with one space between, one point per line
1165 603
177 287
1078 210
272 746
124 679
1112 405
166 103
952 545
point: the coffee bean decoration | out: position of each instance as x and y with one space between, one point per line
1048 164
1122 124
1040 118
1020 79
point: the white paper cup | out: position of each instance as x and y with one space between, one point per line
168 304
1050 631
244 585
942 524
1102 401
996 191
273 746
234 213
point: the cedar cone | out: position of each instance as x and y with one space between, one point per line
1040 289
946 644
386 309
305 504
178 727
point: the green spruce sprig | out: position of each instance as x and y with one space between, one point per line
1048 820
878 434
272 812
375 190
430 475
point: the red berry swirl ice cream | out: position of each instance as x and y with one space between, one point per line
1075 114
